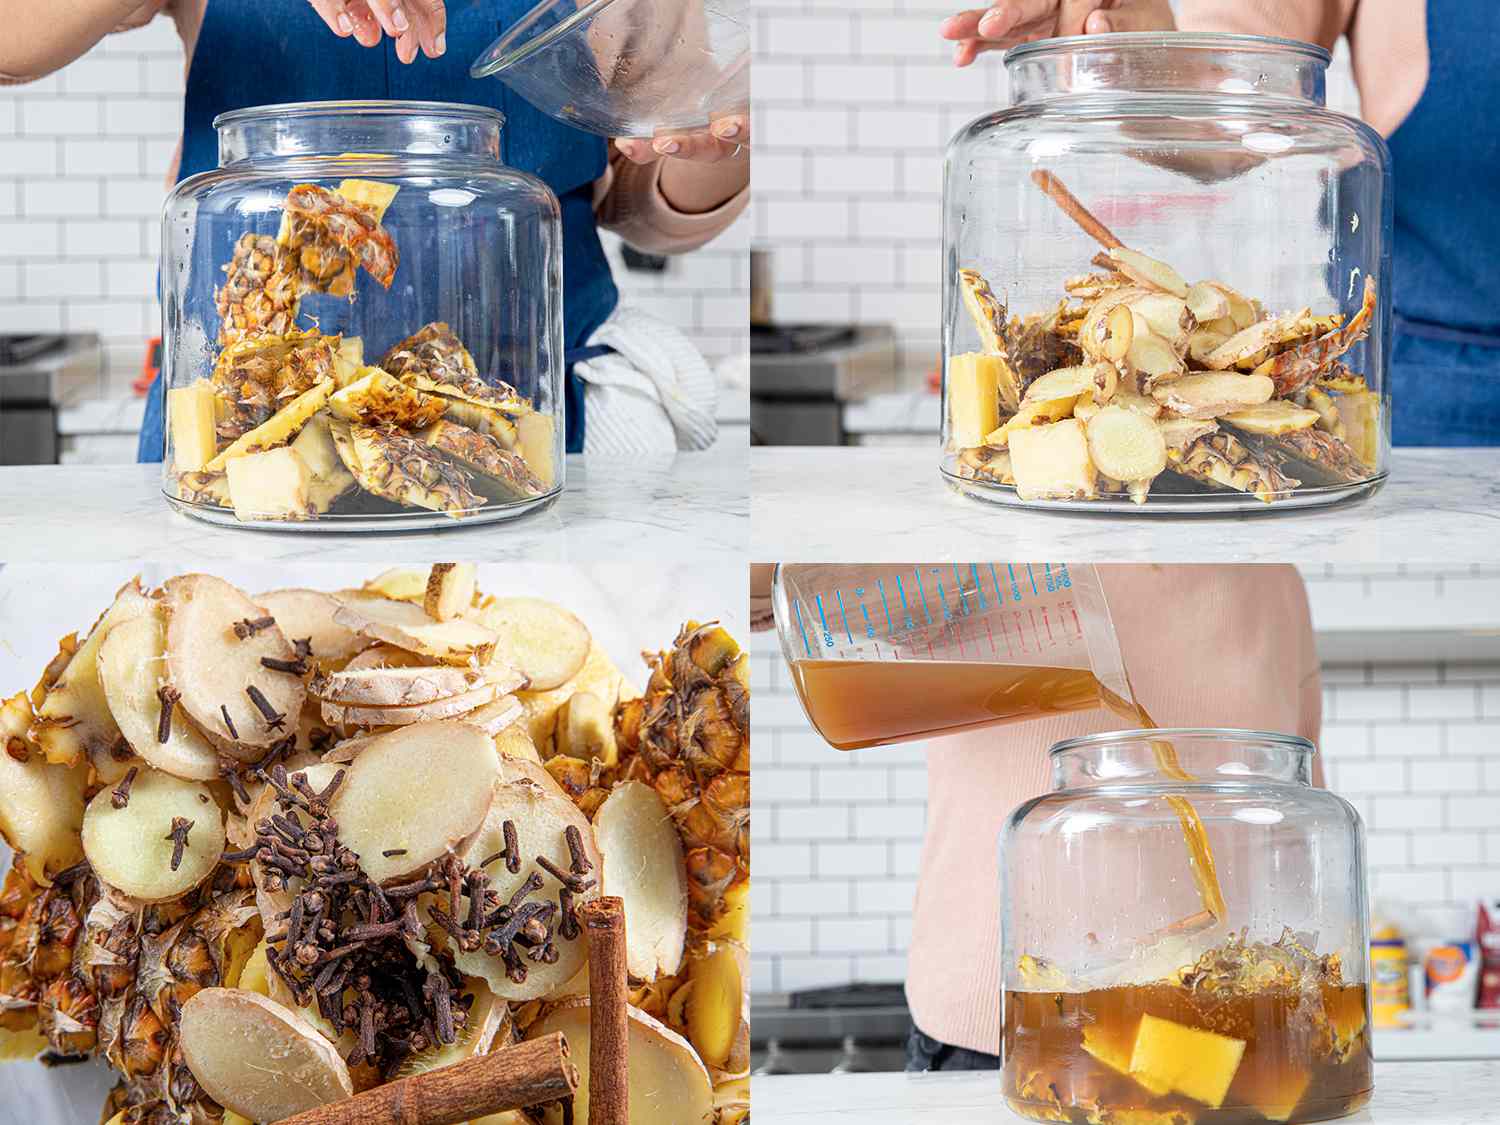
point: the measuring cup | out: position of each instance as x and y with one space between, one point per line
882 654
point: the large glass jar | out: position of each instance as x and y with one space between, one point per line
1166 281
1185 935
362 322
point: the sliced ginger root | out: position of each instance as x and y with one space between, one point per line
132 847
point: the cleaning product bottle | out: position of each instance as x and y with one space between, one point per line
1390 982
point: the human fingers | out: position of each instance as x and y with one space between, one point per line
701 148
366 28
333 14
391 15
1131 15
636 150
963 25
733 128
1073 14
430 21
1010 18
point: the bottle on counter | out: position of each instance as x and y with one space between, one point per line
1390 982
1450 967
1488 936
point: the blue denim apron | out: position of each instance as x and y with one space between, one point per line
255 52
1445 365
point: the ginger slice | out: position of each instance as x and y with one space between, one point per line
1206 302
449 707
669 1085
307 615
160 843
1210 394
544 641
450 590
132 663
1147 271
217 643
643 865
258 1058
412 794
1277 416
463 641
1099 380
1126 445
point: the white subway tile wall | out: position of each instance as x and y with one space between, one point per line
1416 748
83 156
855 102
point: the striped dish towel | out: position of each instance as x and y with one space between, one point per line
656 394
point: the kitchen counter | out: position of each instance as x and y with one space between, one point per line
889 503
1406 1093
689 507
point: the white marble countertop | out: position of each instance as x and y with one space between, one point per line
1406 1093
889 504
693 506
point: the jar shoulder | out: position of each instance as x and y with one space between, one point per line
1064 810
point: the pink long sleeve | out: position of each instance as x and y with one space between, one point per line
1215 646
628 200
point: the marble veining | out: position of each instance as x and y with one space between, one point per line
889 503
1406 1093
691 506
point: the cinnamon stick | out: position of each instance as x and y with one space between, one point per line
603 922
1053 188
527 1074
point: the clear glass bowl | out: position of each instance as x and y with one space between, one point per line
1185 935
362 323
628 68
1248 365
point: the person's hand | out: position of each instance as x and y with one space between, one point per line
413 24
727 138
1006 23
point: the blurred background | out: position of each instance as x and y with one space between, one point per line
1411 736
854 108
83 154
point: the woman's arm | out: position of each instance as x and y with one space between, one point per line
42 36
632 200
1312 21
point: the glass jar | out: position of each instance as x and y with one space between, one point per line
362 322
1198 184
1185 935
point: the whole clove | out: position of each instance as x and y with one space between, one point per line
391 852
580 860
228 722
248 627
179 837
512 848
275 719
575 883
120 796
296 667
168 695
303 647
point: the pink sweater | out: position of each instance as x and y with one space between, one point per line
1227 646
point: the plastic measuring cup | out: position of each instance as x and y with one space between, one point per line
892 653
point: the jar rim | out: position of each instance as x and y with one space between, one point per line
1213 40
506 51
1294 743
368 106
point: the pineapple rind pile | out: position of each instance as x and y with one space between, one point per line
292 424
86 970
1138 377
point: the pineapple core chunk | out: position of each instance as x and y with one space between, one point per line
372 193
534 444
1051 462
1360 413
272 485
191 409
1172 1056
973 397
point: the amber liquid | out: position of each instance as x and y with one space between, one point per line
1306 1054
861 703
